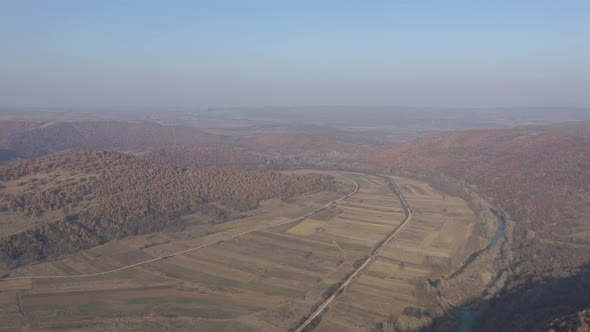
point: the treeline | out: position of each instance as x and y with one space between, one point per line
106 195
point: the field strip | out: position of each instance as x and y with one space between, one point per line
374 253
356 188
26 228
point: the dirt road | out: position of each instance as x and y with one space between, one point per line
374 253
188 250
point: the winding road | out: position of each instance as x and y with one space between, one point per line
356 185
374 253
372 256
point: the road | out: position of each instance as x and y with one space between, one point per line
370 258
356 188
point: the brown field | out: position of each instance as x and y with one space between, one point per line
264 280
430 244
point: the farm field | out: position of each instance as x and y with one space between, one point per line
265 280
430 245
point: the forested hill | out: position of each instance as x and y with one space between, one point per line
86 197
540 175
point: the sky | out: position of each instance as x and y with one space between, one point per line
250 53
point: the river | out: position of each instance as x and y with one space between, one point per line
468 316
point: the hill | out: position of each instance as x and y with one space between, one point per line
9 126
324 149
78 199
33 139
578 322
202 156
539 175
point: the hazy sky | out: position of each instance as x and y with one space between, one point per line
278 52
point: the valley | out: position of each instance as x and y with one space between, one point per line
295 166
261 273
288 229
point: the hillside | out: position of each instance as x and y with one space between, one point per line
202 156
35 139
324 149
539 175
578 322
84 198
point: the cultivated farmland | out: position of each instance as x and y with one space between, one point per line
266 279
395 283
263 279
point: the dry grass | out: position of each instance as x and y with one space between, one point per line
307 227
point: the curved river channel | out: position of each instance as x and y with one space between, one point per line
467 316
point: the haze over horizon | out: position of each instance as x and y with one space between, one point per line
306 166
231 53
